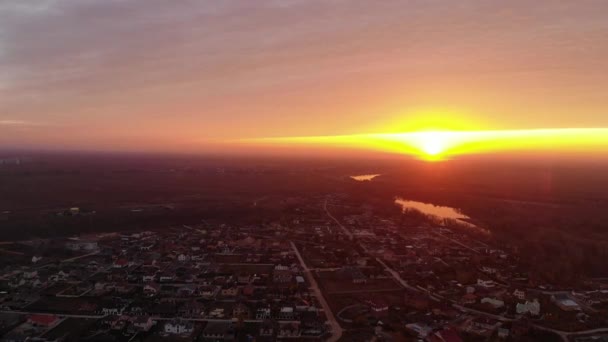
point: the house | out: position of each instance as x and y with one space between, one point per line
494 302
303 305
81 245
377 305
488 270
354 274
266 328
286 313
216 313
564 302
117 323
151 289
485 283
263 313
469 299
192 308
143 323
503 333
13 283
121 263
112 310
289 330
219 331
138 308
166 277
38 283
208 292
282 274
43 321
362 261
519 294
30 274
186 290
124 288
445 335
179 327
482 326
240 310
419 329
244 278
248 290
230 291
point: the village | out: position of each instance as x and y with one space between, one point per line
323 276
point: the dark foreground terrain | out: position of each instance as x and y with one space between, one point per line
555 211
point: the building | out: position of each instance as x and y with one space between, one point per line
533 308
219 331
419 329
485 283
377 305
263 313
564 302
143 323
289 330
494 302
179 327
44 321
519 294
81 245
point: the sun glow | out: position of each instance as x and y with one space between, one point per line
431 144
441 145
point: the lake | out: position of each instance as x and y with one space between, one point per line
362 178
431 209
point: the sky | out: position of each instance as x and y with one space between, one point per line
194 75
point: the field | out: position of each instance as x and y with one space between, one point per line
332 284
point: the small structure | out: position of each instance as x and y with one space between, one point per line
179 327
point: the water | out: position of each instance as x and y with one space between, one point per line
438 211
431 209
362 178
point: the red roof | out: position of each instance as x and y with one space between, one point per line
43 319
446 335
449 335
121 262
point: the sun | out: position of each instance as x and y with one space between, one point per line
431 144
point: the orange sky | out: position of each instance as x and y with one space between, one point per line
189 76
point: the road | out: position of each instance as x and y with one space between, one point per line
396 276
392 272
80 256
563 334
457 242
346 231
336 329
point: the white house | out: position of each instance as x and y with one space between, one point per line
179 327
485 283
488 270
263 313
529 307
496 303
113 310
